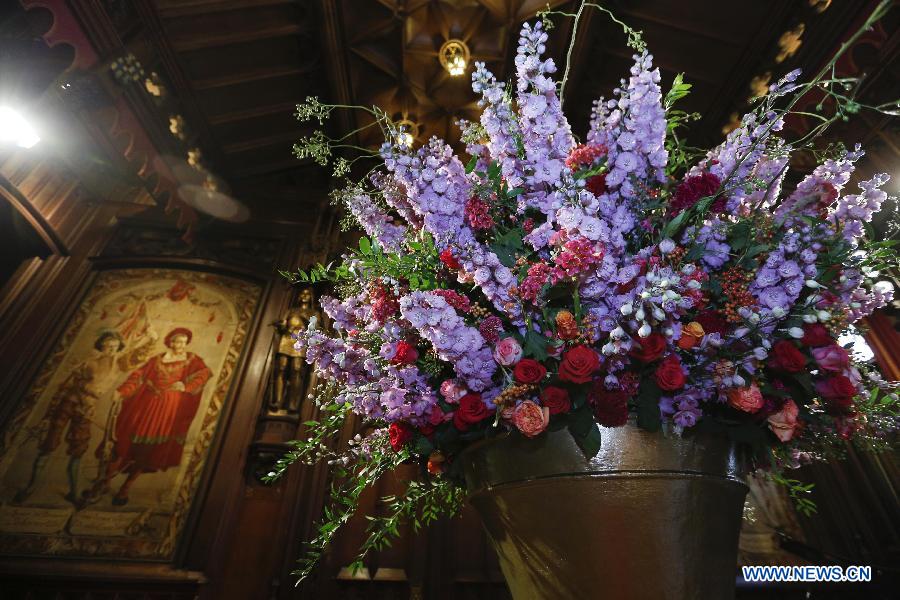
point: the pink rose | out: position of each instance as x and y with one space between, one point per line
784 423
747 399
530 418
452 390
507 352
831 358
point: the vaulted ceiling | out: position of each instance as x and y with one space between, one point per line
237 68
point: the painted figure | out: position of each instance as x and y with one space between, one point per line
71 411
156 406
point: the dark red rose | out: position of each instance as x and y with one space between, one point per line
692 189
596 184
669 375
400 434
786 357
556 399
712 322
578 365
651 348
816 334
529 370
406 354
837 392
610 406
471 410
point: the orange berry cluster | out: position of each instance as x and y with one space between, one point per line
676 255
514 392
734 287
478 311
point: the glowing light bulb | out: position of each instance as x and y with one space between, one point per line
15 129
454 57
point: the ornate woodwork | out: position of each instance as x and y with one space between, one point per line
227 74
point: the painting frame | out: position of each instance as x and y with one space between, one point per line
194 490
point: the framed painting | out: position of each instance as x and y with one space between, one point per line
105 453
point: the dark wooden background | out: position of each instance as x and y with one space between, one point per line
97 193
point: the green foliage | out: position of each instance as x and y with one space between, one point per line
585 430
681 155
420 505
798 491
347 486
648 405
506 246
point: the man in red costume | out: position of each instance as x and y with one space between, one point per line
158 403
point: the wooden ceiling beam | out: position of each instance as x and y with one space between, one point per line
269 140
252 113
248 76
230 38
271 167
189 8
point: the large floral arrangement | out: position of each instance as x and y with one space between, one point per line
543 283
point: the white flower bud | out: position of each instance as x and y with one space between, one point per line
658 314
795 332
810 318
608 349
766 344
812 283
669 331
671 295
753 318
694 284
823 315
617 333
778 312
645 294
639 315
644 331
626 309
664 283
738 380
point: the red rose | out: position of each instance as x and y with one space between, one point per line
471 410
406 354
400 433
596 184
610 406
786 357
669 375
838 392
449 260
529 370
579 364
651 348
816 334
712 321
556 399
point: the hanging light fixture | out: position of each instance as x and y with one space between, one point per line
454 57
407 131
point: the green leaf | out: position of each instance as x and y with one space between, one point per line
514 192
590 443
507 245
470 166
535 345
365 246
648 406
585 431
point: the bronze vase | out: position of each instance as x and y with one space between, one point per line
652 516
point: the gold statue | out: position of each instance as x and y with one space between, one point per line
290 375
